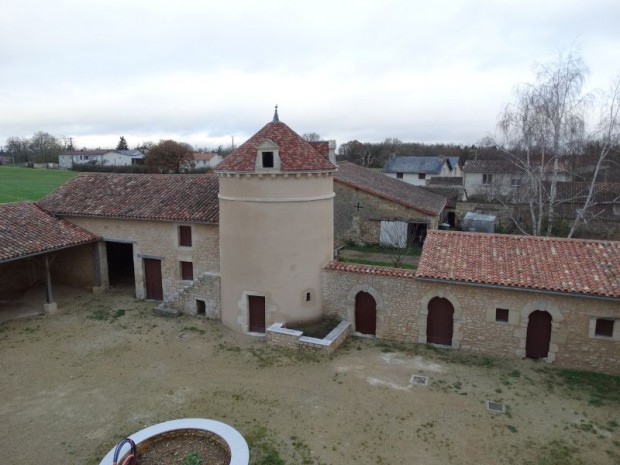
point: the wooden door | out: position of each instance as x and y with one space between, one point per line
538 335
365 314
440 322
257 313
152 279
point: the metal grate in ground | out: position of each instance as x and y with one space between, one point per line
495 407
419 379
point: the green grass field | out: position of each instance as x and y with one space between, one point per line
17 183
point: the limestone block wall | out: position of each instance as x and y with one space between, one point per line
75 266
402 310
362 225
19 275
159 240
206 289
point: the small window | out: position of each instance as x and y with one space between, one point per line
604 327
501 315
421 175
267 159
515 182
308 296
399 175
201 307
487 179
185 236
187 271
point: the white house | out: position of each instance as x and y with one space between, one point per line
68 160
206 160
418 170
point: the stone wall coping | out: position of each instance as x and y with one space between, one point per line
337 331
314 341
239 451
278 328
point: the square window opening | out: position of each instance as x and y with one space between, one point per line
604 327
201 307
187 271
487 179
501 315
399 175
185 236
267 159
421 175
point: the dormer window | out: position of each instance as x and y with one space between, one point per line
267 156
267 159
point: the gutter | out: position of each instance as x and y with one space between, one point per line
521 289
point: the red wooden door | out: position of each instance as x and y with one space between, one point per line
257 313
365 314
440 322
538 335
152 279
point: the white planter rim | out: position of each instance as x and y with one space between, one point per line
239 451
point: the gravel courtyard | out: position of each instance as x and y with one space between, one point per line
73 384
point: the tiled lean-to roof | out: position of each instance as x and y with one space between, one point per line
388 188
573 266
295 153
164 197
370 270
26 230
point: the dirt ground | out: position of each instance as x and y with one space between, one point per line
73 384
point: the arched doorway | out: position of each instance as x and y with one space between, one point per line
365 313
440 321
538 335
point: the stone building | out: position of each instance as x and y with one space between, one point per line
499 295
252 245
370 206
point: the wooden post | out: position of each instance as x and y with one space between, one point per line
49 296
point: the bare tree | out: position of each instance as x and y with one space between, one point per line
311 136
539 131
609 139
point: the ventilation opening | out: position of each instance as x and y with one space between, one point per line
495 407
267 159
201 308
501 315
308 297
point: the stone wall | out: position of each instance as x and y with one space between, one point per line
206 289
159 240
75 266
363 225
293 339
402 309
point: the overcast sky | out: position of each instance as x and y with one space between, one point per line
200 71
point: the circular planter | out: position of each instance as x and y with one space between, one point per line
221 432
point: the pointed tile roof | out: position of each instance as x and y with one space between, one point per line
295 153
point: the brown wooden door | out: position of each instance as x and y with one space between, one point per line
538 335
365 314
257 313
152 279
440 322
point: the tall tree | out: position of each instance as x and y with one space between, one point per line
543 126
122 144
169 156
19 149
311 136
45 147
608 142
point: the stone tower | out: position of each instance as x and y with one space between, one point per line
276 229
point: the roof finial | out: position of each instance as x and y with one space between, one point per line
275 115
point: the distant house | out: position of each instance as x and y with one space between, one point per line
418 170
370 208
68 160
206 160
493 178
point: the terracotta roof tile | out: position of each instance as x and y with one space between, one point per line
573 266
388 188
172 197
369 269
296 154
27 230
